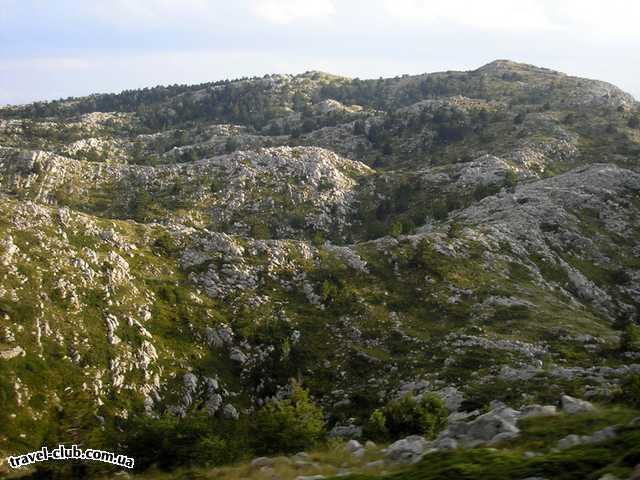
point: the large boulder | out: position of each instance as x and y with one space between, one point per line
603 435
491 424
407 450
494 426
538 411
353 446
575 405
452 398
261 462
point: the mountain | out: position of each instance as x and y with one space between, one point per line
185 251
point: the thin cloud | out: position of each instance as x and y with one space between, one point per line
47 64
84 46
485 15
613 18
152 14
283 12
618 18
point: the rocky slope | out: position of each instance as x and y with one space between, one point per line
191 249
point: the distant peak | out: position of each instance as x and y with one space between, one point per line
504 65
318 74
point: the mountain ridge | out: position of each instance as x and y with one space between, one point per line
188 252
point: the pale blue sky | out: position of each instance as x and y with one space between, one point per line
57 48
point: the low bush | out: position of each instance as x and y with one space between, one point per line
407 416
170 442
631 391
376 427
288 425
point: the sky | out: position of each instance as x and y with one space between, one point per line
53 49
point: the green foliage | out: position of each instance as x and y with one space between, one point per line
231 145
483 190
376 426
439 210
330 291
511 180
631 391
455 230
288 425
165 245
260 230
451 125
359 127
407 416
630 338
141 206
427 257
396 229
169 442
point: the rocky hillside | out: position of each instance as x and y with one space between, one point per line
184 251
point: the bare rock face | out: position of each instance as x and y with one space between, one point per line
229 189
546 216
11 353
486 170
118 269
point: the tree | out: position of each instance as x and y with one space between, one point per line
630 338
231 145
359 127
92 155
634 122
288 425
141 206
510 180
308 125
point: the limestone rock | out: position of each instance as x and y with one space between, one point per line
407 450
575 405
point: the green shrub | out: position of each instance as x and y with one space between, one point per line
260 231
231 145
630 338
164 245
407 416
170 442
631 391
288 425
376 427
511 180
396 229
